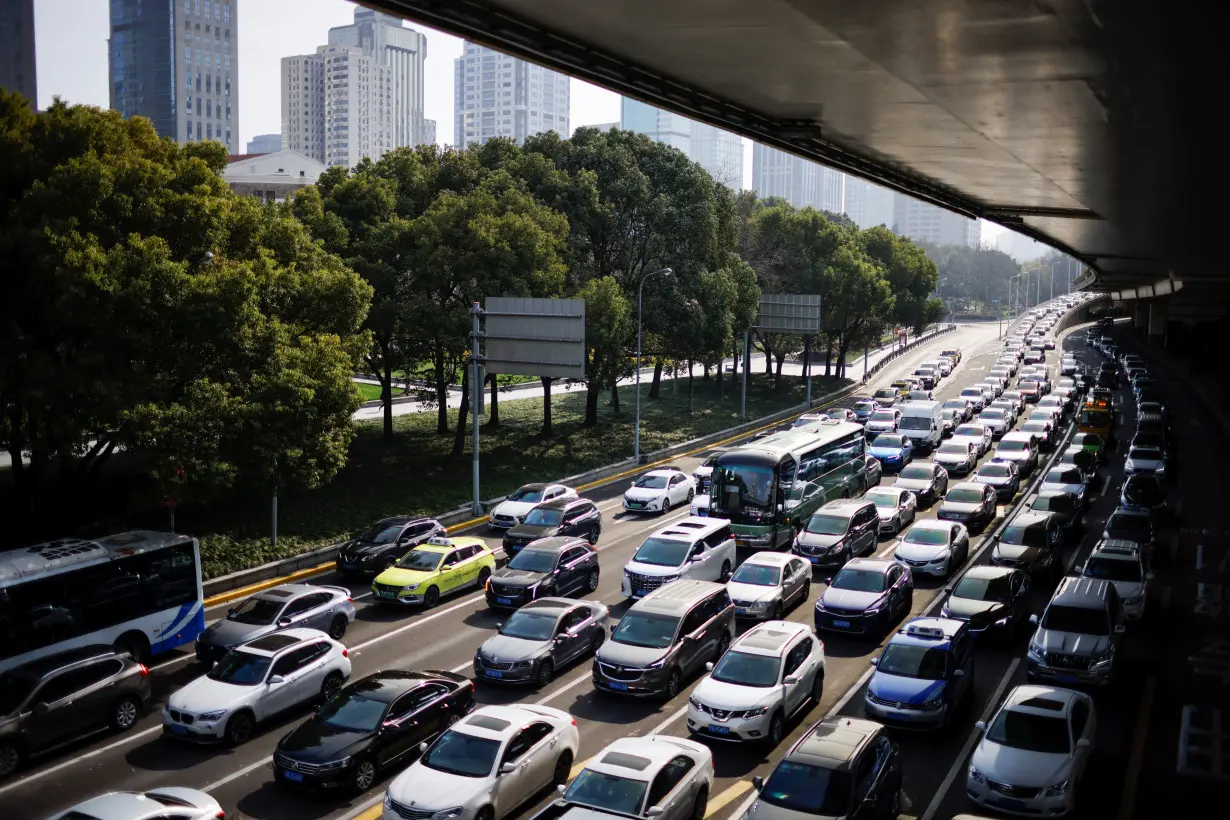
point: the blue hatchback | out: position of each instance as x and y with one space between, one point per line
892 450
922 675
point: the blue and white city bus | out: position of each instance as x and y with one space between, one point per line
138 590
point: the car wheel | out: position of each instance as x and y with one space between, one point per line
546 673
897 525
337 627
726 572
331 686
596 641
239 728
563 768
777 613
701 806
691 495
594 532
674 681
592 583
483 575
10 760
431 597
666 506
387 563
364 775
777 728
125 713
817 687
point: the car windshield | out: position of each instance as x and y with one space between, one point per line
609 792
652 482
1078 619
1013 446
538 517
972 392
1034 427
827 524
646 629
992 414
527 495
925 662
983 589
420 560
256 611
241 668
462 754
756 574
859 580
883 415
662 552
1062 503
1031 732
886 393
883 498
916 472
891 442
531 624
1145 491
964 495
1025 536
1145 453
745 669
995 471
14 689
956 404
1112 569
949 414
381 533
954 449
352 712
929 536
1129 527
808 789
533 561
971 430
1064 475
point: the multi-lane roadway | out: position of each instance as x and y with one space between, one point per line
446 638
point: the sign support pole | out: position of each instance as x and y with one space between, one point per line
807 366
476 389
747 364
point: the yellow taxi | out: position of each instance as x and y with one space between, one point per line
953 353
902 387
438 567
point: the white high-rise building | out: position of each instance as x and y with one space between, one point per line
800 182
924 222
403 51
337 106
495 95
428 135
868 204
718 152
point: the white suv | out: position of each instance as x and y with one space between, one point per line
701 548
635 775
1123 564
255 681
771 672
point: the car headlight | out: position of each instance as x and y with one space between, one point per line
754 713
975 775
1035 653
1105 658
211 717
658 664
410 588
761 605
694 703
522 664
878 605
936 701
1056 789
335 764
666 579
448 814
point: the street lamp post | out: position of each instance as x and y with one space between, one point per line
640 290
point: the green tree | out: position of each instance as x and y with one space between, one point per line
162 314
608 324
911 275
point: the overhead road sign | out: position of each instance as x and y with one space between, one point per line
789 313
535 337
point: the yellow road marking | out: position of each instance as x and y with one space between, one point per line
1128 798
371 814
577 767
727 797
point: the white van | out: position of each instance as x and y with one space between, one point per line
693 547
923 422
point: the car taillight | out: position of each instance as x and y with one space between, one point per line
574 721
351 600
143 670
220 816
345 652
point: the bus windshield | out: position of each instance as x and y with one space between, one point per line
744 488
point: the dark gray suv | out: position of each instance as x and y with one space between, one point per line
66 696
664 638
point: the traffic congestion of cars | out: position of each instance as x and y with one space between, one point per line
736 635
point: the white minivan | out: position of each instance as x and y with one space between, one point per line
923 422
692 547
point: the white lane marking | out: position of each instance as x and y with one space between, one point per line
462 667
667 721
467 601
580 679
850 693
960 762
238 773
79 759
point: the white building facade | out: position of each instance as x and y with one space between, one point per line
495 95
718 152
272 177
800 182
924 222
868 204
337 106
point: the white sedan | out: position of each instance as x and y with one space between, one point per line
933 547
1033 753
957 457
1065 478
509 512
487 765
623 777
659 490
166 803
895 507
767 584
974 433
255 681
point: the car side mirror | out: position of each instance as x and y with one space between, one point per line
1078 568
958 673
981 725
1148 576
791 680
1083 743
41 708
653 811
230 610
1033 619
283 621
562 788
1120 629
757 782
828 581
508 768
423 747
875 661
708 666
276 679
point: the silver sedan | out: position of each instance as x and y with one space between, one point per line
541 638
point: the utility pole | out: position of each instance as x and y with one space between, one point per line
476 398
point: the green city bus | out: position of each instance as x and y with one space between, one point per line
769 488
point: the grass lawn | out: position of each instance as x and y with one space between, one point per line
371 392
413 474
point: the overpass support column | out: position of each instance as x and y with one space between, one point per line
1140 316
1156 327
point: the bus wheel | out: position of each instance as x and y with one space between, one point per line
135 644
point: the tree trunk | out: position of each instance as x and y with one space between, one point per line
675 380
546 405
768 356
441 390
705 371
615 394
459 439
841 355
592 388
690 386
777 374
655 389
386 391
494 420
828 359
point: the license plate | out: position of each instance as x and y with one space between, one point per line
494 673
640 593
1009 803
294 777
1066 678
841 624
179 730
504 601
383 594
348 565
740 610
813 559
719 730
619 687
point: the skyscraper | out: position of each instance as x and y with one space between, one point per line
428 135
495 95
718 152
177 63
924 222
17 70
403 51
868 204
337 105
264 144
800 182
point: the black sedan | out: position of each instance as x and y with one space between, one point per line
379 546
990 599
370 727
559 516
1145 491
551 566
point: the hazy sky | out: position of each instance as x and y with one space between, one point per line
71 45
